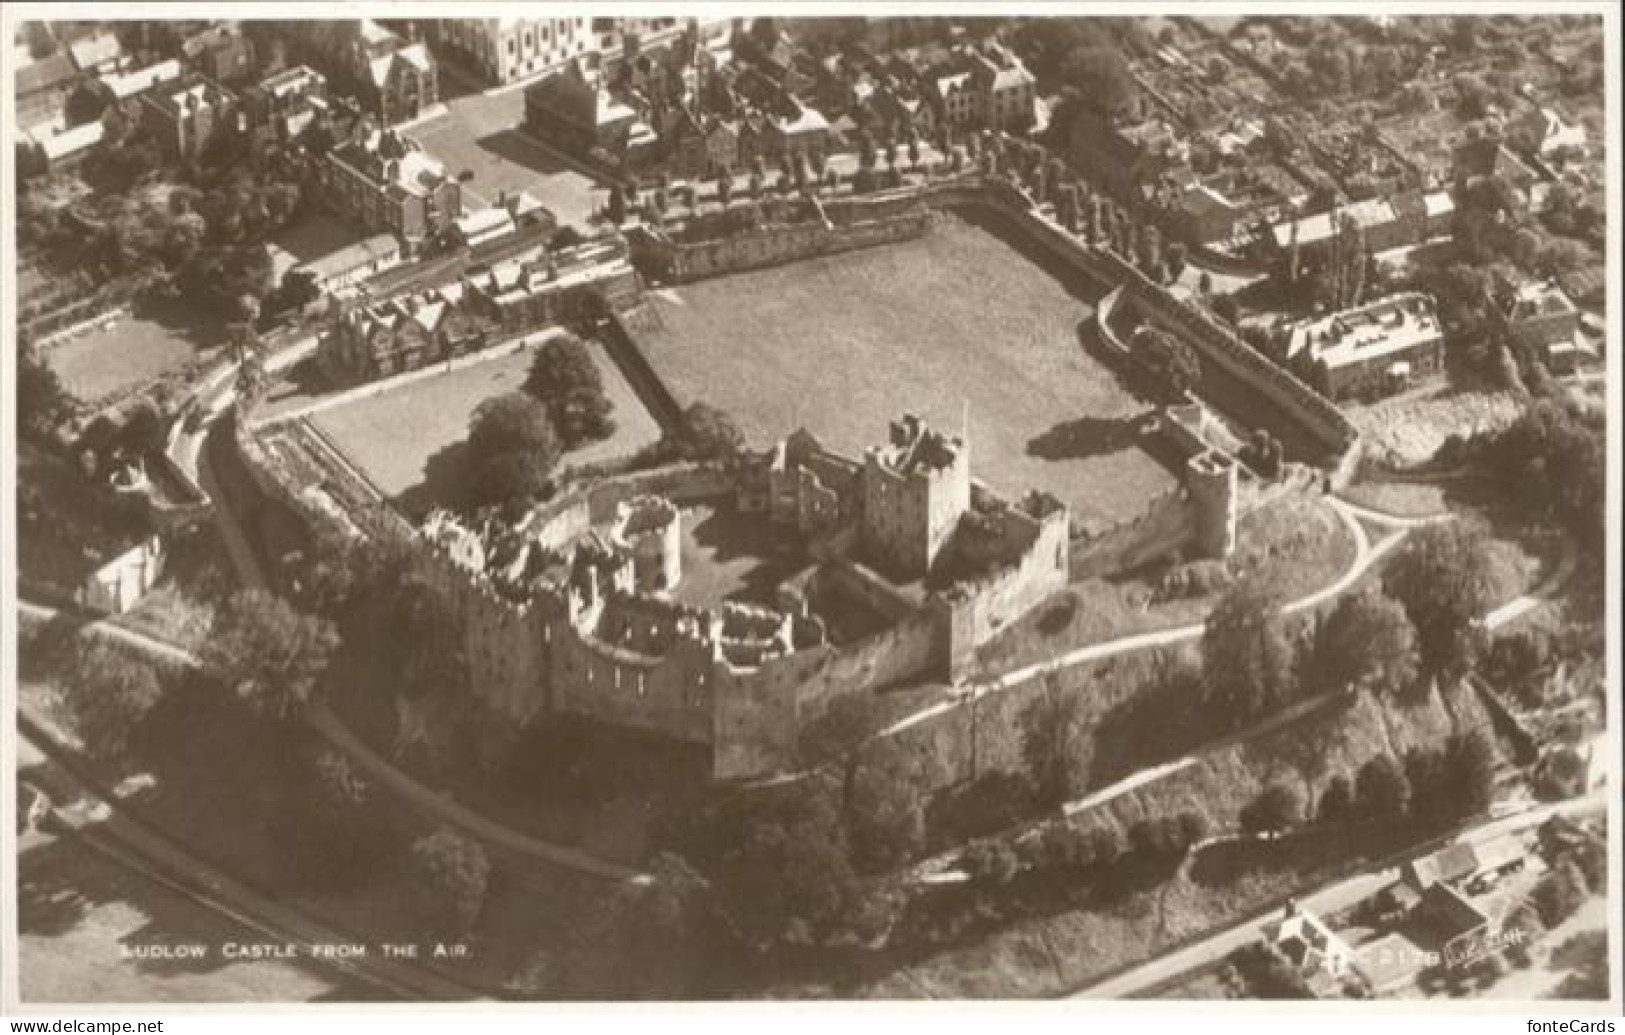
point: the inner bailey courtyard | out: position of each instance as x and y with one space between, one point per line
963 323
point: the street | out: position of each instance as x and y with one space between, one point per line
1330 898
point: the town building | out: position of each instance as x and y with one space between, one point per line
338 273
223 53
1376 346
289 100
185 118
396 78
548 287
384 180
503 50
98 54
572 111
1391 963
1321 958
45 149
1542 317
1450 922
42 87
369 341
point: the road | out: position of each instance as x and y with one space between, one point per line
1329 898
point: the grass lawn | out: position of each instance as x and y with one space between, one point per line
1402 499
481 134
732 556
410 440
958 322
129 353
1298 543
1409 428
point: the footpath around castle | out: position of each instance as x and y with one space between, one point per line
847 651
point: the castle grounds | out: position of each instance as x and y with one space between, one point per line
959 321
409 440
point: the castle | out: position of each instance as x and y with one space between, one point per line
578 609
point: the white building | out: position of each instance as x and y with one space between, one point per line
507 49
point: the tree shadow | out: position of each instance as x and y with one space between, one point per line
730 536
1087 437
444 484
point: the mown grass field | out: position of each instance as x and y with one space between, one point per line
409 440
960 323
123 355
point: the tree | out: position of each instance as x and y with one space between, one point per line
1101 77
1381 793
512 448
990 860
709 434
41 400
785 873
1246 657
1443 577
566 380
108 693
1559 894
1549 463
1053 730
1276 808
1367 640
617 205
144 432
1468 770
1337 800
269 654
452 872
653 941
1169 359
885 810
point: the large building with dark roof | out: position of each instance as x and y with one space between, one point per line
385 181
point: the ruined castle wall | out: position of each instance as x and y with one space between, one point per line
979 609
670 694
774 245
1163 528
845 577
759 711
503 640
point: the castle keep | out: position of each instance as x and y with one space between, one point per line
577 609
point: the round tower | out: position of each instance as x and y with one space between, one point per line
1210 477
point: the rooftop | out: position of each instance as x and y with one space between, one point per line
394 159
1388 326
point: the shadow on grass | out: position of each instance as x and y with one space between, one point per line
444 484
1086 437
728 536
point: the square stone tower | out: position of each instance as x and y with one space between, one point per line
915 488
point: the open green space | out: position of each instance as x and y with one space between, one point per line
410 440
960 325
122 355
